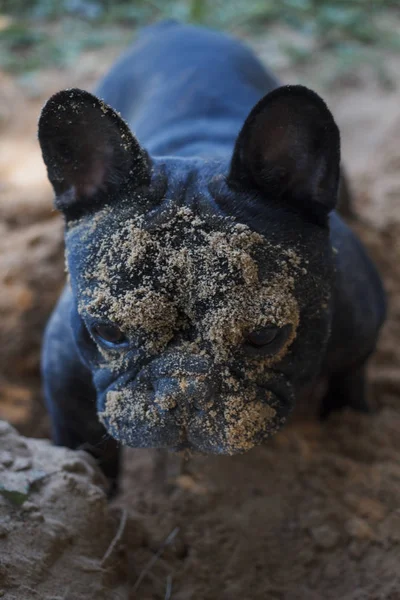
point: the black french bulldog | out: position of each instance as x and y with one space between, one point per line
211 282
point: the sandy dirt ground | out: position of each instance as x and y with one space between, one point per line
314 514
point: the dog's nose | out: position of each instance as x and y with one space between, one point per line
171 393
166 392
199 392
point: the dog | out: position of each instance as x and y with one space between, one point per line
211 280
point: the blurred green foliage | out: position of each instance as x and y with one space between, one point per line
40 33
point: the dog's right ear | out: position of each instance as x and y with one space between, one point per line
289 149
89 152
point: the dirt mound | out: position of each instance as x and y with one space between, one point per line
59 538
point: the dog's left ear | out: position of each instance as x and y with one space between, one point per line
89 152
289 149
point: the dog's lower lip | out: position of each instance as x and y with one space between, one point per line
186 445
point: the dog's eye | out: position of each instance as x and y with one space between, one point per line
266 340
262 337
109 335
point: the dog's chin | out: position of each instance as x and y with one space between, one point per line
233 425
181 442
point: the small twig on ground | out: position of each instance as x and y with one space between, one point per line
117 537
66 593
155 558
29 589
168 589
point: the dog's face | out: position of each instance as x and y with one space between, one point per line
202 289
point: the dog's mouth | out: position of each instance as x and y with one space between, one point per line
232 423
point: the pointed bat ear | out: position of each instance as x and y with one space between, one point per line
289 149
89 152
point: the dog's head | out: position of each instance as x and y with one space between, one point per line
202 287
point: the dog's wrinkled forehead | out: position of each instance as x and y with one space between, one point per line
155 275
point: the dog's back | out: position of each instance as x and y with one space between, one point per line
185 90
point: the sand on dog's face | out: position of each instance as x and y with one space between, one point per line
186 291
